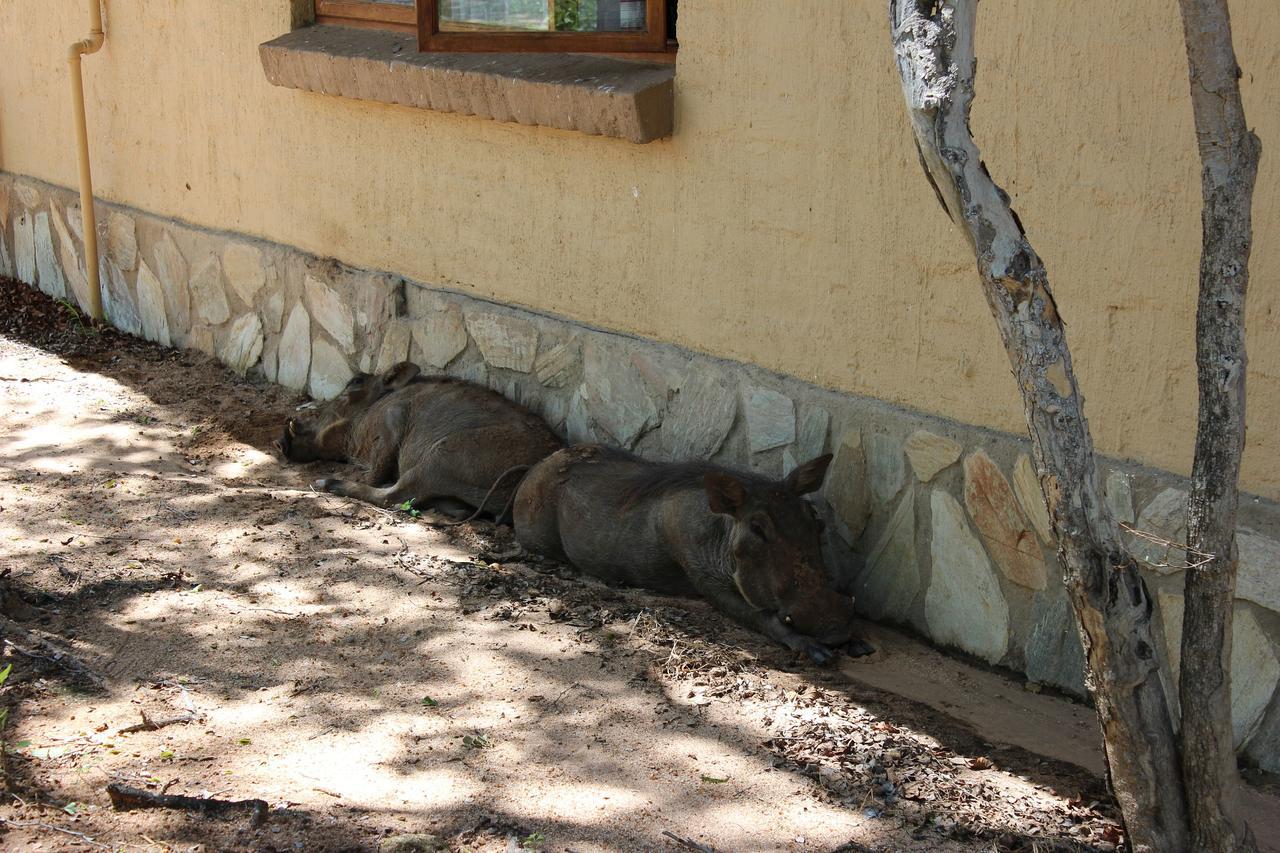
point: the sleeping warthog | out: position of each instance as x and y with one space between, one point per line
748 544
435 440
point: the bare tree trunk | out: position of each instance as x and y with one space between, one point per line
1229 157
934 47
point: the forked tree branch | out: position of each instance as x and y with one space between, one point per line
934 49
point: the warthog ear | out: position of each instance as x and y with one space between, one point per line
725 493
334 433
808 477
400 375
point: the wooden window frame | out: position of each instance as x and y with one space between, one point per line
381 16
652 41
652 45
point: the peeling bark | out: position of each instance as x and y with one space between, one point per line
1229 158
934 49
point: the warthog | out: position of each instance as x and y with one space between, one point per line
749 544
438 441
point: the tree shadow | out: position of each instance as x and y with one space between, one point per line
169 551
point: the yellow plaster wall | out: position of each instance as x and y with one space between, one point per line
785 224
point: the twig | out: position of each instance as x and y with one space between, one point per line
35 823
688 843
149 725
556 701
124 798
1167 544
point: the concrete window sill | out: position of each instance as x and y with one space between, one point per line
593 94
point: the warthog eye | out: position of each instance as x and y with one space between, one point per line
757 529
786 619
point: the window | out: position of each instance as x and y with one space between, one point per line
587 26
544 25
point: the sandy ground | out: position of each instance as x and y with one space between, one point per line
370 675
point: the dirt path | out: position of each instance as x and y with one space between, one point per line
369 675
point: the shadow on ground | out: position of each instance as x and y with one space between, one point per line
369 674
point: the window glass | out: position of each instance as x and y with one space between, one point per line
564 16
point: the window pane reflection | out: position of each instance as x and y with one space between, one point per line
564 16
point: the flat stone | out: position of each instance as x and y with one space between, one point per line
75 221
245 269
577 424
117 300
701 415
201 338
1263 748
24 247
843 565
122 241
811 438
615 395
171 268
1119 496
294 357
891 580
663 372
505 342
1004 528
555 367
592 94
930 453
1166 518
155 324
1255 671
964 606
1026 485
789 462
330 371
885 467
1053 651
242 346
333 315
50 274
376 298
770 416
554 410
207 293
271 360
846 488
1258 571
28 195
74 275
441 334
273 312
395 345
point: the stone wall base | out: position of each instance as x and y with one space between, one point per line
938 526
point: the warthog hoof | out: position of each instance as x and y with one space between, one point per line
820 653
856 648
325 484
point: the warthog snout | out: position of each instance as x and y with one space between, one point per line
776 544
